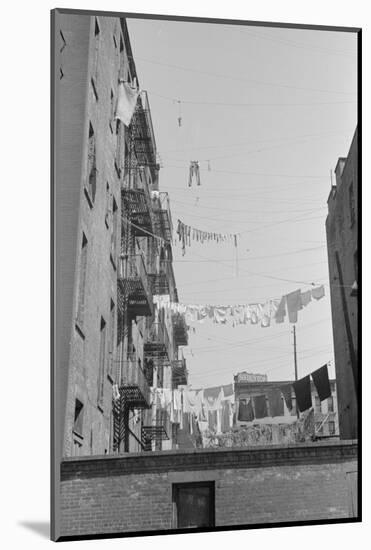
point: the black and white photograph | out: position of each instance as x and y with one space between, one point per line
206 196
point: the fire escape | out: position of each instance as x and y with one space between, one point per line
157 355
134 285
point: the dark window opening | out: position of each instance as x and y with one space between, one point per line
63 42
82 281
352 209
355 264
111 345
113 250
194 505
78 417
330 404
102 361
112 111
92 167
96 28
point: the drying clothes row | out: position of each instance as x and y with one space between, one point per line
254 314
186 233
271 403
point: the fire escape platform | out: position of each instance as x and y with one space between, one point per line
138 209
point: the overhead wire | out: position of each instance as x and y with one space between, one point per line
237 78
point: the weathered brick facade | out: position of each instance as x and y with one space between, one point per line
130 493
342 239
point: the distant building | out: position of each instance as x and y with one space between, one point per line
342 245
325 412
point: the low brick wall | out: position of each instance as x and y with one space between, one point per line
126 493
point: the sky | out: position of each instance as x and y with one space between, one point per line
266 112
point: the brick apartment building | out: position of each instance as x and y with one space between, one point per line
113 252
342 246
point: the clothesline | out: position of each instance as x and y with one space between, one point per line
253 313
186 233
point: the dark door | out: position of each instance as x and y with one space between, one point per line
194 505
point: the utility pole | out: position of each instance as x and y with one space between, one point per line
295 364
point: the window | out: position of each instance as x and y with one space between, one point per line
91 187
111 344
331 427
330 404
118 147
62 43
355 265
113 251
102 361
112 111
352 209
194 505
82 281
317 404
78 417
95 58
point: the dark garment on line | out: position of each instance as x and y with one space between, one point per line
275 402
260 406
245 411
281 310
286 392
322 382
303 394
293 305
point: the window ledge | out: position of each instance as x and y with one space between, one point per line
79 329
113 262
88 197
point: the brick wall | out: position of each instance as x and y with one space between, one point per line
342 236
266 484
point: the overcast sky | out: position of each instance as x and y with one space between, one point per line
270 110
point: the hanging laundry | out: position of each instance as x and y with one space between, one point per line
275 402
306 297
266 315
126 102
255 314
245 411
293 301
286 392
194 172
303 393
260 406
322 382
318 292
115 391
213 420
281 310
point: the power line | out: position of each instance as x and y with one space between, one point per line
258 174
245 210
243 144
224 104
240 79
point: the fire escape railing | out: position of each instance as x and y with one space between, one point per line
133 280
